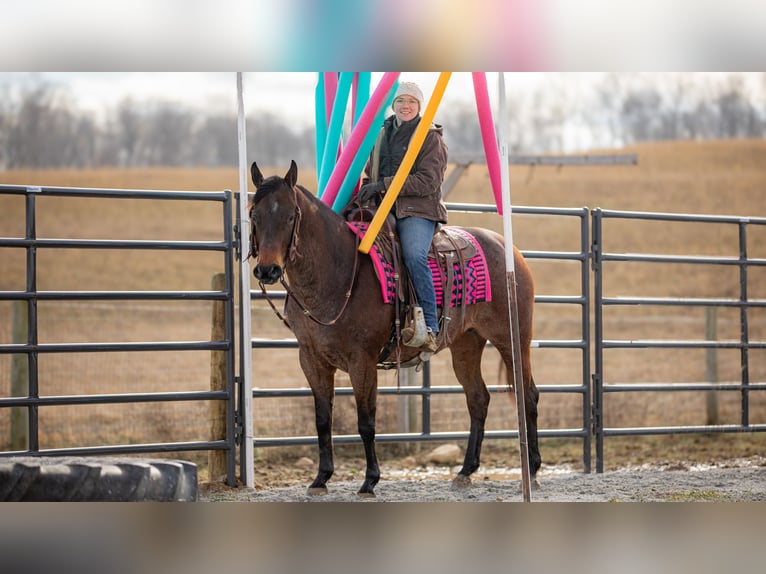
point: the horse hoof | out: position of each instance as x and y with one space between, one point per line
317 490
461 481
361 494
535 484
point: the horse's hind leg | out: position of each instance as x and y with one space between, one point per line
466 362
531 398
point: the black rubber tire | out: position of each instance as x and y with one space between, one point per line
56 479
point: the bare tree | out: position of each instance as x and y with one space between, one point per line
462 133
168 133
273 142
738 116
215 141
129 128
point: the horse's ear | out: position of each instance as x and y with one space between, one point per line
256 174
292 174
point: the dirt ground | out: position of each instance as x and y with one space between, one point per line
734 480
745 483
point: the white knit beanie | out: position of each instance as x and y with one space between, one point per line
410 89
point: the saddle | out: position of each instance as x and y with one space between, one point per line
449 244
456 262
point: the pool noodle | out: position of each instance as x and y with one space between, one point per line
369 113
409 159
355 171
360 97
320 120
361 93
491 150
335 130
330 87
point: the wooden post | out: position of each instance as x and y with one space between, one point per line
217 458
711 365
20 377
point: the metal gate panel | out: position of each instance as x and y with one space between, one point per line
601 383
33 348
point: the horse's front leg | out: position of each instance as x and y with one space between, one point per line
322 382
365 383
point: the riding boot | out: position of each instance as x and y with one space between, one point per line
430 345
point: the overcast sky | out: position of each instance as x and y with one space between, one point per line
288 94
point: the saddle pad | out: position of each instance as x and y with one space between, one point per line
475 276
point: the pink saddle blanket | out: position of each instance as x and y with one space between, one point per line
470 284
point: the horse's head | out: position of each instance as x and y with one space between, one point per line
274 220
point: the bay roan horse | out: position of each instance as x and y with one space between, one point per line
335 308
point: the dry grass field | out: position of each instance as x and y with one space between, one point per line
725 178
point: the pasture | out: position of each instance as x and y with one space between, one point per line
726 178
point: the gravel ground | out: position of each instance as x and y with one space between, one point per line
742 480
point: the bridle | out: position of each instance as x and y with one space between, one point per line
292 254
292 247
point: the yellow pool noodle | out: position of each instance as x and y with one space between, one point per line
409 159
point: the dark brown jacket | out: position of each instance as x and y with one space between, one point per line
421 194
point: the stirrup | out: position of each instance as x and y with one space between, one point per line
415 336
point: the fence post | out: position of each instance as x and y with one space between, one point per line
20 377
408 413
711 364
217 458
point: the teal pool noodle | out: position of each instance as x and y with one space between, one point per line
330 155
363 81
376 103
355 170
320 119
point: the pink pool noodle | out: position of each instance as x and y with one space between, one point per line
486 124
377 99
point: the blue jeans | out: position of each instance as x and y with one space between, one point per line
415 235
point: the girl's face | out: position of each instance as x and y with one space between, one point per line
406 108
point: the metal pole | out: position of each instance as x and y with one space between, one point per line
744 330
216 459
711 366
246 462
19 376
33 440
597 397
513 311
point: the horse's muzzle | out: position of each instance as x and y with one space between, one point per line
268 274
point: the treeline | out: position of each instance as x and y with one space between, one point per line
41 127
566 114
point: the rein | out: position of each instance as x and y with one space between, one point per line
292 253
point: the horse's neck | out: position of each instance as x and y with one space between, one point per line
326 252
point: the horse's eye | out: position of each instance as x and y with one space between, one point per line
291 218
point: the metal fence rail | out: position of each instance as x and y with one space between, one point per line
592 385
33 348
601 259
425 391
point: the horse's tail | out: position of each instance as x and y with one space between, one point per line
504 372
